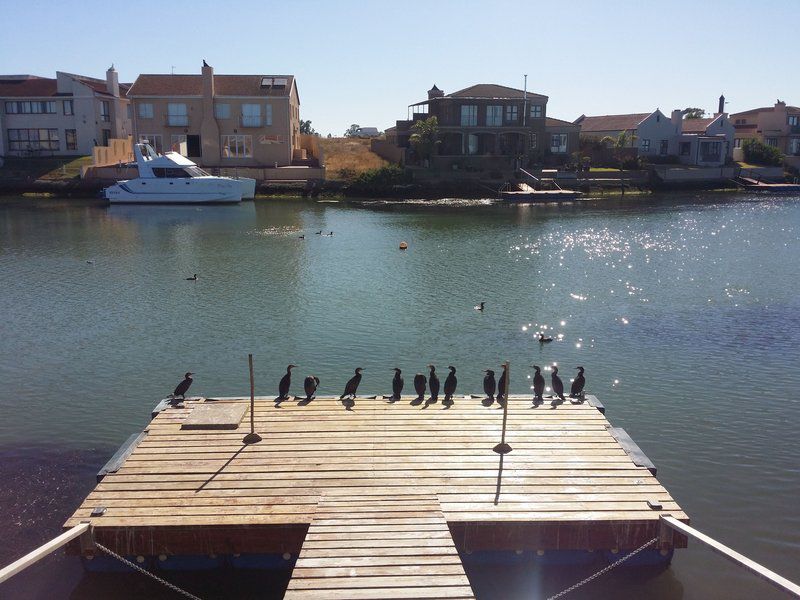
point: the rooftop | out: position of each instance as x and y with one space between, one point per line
610 122
224 85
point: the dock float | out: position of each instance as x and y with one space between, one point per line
337 484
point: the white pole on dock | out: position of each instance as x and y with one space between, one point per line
42 551
252 437
751 565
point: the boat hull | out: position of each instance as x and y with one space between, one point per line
175 191
248 186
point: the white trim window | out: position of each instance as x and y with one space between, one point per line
512 113
222 110
105 111
771 141
645 145
154 139
794 120
237 146
177 114
794 146
146 110
737 142
21 140
536 111
69 108
558 143
469 115
494 116
251 115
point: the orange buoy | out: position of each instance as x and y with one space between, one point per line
403 246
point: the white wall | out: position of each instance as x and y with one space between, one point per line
655 128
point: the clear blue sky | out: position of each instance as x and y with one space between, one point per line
364 62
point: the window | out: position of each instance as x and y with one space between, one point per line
251 115
663 148
237 146
154 140
536 111
170 172
175 143
737 143
710 151
794 120
534 140
177 115
558 143
146 111
512 113
469 115
129 111
68 107
222 111
106 136
794 146
771 141
472 144
740 122
268 116
71 139
685 148
645 145
31 108
105 115
33 139
494 116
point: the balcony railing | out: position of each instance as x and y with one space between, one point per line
251 121
177 120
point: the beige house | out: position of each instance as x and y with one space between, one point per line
221 120
65 116
777 126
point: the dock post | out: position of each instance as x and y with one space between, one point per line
252 437
502 447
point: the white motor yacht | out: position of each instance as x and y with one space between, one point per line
171 178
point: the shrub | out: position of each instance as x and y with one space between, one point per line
380 179
760 154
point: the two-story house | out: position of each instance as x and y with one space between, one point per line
777 126
495 125
220 120
65 116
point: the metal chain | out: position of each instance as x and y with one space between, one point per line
603 570
146 572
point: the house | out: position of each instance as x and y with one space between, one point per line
777 126
702 142
65 116
486 126
220 120
563 137
648 132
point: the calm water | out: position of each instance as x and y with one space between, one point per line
684 309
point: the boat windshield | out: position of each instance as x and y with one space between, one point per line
196 172
178 172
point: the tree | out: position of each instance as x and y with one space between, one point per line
618 145
694 113
425 137
305 127
352 130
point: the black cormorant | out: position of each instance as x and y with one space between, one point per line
192 278
544 340
302 237
183 386
538 385
577 386
501 385
480 306
285 383
352 385
205 64
558 385
310 385
433 383
450 384
397 384
489 384
420 385
319 232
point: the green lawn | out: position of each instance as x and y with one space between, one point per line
50 168
603 170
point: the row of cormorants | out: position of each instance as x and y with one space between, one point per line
491 387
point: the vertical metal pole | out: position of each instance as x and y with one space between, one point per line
252 437
502 447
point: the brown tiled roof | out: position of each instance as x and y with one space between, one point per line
611 122
491 90
30 86
793 109
696 125
552 122
192 85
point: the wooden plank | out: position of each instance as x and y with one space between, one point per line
42 551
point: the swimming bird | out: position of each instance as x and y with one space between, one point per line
420 385
558 385
319 232
489 384
310 385
501 385
183 386
351 386
192 278
538 385
285 383
450 384
544 340
397 384
302 237
433 383
577 386
480 306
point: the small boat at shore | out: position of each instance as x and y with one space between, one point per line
525 193
171 178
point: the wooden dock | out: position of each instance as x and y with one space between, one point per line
189 486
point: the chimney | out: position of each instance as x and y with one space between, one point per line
208 80
112 81
721 105
435 92
677 120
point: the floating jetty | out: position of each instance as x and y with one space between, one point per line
376 494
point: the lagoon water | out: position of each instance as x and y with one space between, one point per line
684 309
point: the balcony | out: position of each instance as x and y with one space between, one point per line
176 120
251 121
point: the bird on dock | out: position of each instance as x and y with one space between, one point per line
450 383
558 385
351 386
501 385
543 339
285 383
577 386
397 384
433 383
480 306
310 385
489 384
192 278
538 385
183 386
420 385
